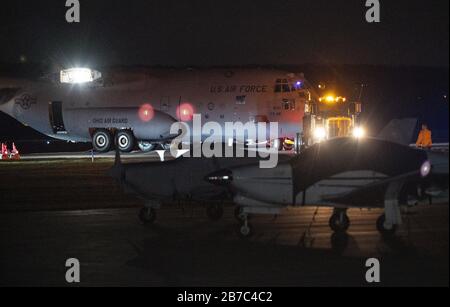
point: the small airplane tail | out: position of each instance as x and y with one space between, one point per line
399 131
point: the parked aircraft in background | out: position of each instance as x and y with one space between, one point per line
136 107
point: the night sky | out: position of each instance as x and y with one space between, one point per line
403 60
208 33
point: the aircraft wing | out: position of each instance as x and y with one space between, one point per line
372 195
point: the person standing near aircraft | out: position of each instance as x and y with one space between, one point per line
425 138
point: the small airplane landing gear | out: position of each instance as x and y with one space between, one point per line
238 213
214 212
245 229
339 221
147 216
384 229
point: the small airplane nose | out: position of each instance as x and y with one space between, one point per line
222 177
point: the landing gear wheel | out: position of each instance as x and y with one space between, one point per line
238 213
214 212
147 216
245 230
125 140
102 140
339 222
382 228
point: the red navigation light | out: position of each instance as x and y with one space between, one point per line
146 112
185 112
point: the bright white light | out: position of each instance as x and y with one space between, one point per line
79 75
425 169
320 133
359 132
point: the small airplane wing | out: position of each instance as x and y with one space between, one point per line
371 195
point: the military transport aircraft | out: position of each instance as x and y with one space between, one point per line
131 108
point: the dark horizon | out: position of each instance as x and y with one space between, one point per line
226 33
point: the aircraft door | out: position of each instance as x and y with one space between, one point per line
56 117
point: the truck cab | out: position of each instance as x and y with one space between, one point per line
330 116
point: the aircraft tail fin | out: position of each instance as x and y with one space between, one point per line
399 131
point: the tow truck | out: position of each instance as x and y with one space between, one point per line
328 117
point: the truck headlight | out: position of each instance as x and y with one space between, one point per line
320 133
359 132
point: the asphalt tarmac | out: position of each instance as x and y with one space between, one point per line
54 210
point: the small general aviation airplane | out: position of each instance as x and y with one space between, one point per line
340 173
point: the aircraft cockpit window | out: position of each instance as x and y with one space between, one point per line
282 86
6 94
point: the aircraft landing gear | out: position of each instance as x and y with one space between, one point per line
214 212
125 140
147 215
245 229
238 213
339 221
102 140
383 228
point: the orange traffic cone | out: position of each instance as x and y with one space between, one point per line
15 153
4 153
